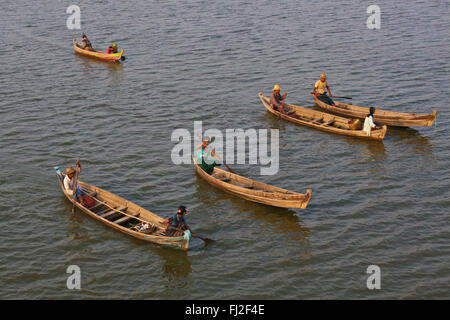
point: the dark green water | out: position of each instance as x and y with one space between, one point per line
373 203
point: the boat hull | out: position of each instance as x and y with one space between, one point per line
135 211
97 54
261 193
340 125
383 117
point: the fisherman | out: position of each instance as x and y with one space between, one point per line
369 124
177 221
205 157
112 48
69 183
276 100
319 90
86 44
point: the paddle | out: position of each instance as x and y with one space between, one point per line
342 97
231 170
215 155
75 181
202 238
193 234
336 96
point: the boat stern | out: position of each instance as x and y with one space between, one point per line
305 201
434 114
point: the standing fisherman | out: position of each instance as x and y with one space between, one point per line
369 124
69 181
205 157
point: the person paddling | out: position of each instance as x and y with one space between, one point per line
86 44
177 224
369 124
205 157
319 90
276 100
69 183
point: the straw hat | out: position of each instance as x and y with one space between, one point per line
323 76
70 170
276 88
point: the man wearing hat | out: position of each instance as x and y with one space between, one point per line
276 100
69 183
319 90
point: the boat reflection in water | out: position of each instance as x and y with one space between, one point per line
411 137
276 223
176 264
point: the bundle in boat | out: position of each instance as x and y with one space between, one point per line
252 190
97 54
125 216
324 121
383 117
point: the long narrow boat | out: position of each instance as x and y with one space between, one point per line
126 216
252 190
97 54
325 121
390 118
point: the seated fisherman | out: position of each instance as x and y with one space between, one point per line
86 44
112 48
69 183
205 157
177 221
319 90
276 100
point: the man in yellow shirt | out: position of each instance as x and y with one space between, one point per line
319 90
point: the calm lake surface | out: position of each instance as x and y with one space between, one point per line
385 203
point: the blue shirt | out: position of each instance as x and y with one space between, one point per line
176 220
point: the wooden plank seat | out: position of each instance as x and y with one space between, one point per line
96 206
111 213
103 208
125 219
221 177
90 193
100 209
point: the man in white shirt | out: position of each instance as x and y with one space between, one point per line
369 124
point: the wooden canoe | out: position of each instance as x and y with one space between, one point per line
252 190
97 54
390 118
125 216
325 121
